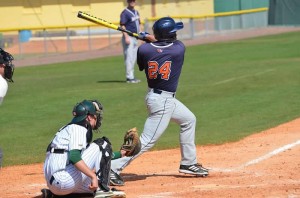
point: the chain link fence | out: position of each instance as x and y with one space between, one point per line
64 40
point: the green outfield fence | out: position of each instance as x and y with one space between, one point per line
27 42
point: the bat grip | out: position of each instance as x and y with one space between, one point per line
129 33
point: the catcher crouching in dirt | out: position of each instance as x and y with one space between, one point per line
162 61
74 163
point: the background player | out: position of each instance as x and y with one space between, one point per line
130 20
75 164
162 62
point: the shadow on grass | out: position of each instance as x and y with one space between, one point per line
111 81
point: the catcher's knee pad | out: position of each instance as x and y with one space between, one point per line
105 163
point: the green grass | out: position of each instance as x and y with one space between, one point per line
235 89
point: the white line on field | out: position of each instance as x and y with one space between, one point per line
158 195
244 76
272 153
264 157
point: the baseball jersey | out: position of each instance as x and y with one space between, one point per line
70 137
162 62
130 18
3 88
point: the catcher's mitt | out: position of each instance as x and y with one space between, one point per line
131 144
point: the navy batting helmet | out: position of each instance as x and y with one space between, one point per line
164 29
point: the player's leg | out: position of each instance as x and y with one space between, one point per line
60 183
128 56
91 156
160 110
187 121
134 57
63 183
125 54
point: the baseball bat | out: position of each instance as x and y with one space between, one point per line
107 24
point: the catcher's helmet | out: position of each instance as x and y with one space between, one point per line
6 59
88 107
164 29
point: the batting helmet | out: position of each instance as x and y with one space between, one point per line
6 59
165 29
88 107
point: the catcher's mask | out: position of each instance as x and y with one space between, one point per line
6 59
88 107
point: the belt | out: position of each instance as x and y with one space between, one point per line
158 91
60 151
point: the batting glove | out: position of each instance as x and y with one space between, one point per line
143 36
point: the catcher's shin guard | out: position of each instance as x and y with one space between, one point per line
103 174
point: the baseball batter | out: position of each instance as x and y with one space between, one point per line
162 62
75 164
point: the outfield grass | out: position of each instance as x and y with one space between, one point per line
234 89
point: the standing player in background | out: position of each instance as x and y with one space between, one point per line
76 164
6 74
162 62
130 20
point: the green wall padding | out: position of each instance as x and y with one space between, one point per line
284 12
235 5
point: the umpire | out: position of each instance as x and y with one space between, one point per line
6 74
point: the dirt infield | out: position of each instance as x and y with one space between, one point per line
262 165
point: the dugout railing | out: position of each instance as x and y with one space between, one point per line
27 42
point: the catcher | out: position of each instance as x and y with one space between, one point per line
77 165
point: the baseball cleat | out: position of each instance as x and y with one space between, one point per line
133 80
118 193
46 193
103 194
116 179
195 169
113 193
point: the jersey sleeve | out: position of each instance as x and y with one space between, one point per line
139 17
139 60
123 19
3 87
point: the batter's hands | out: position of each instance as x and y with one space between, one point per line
142 35
145 36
